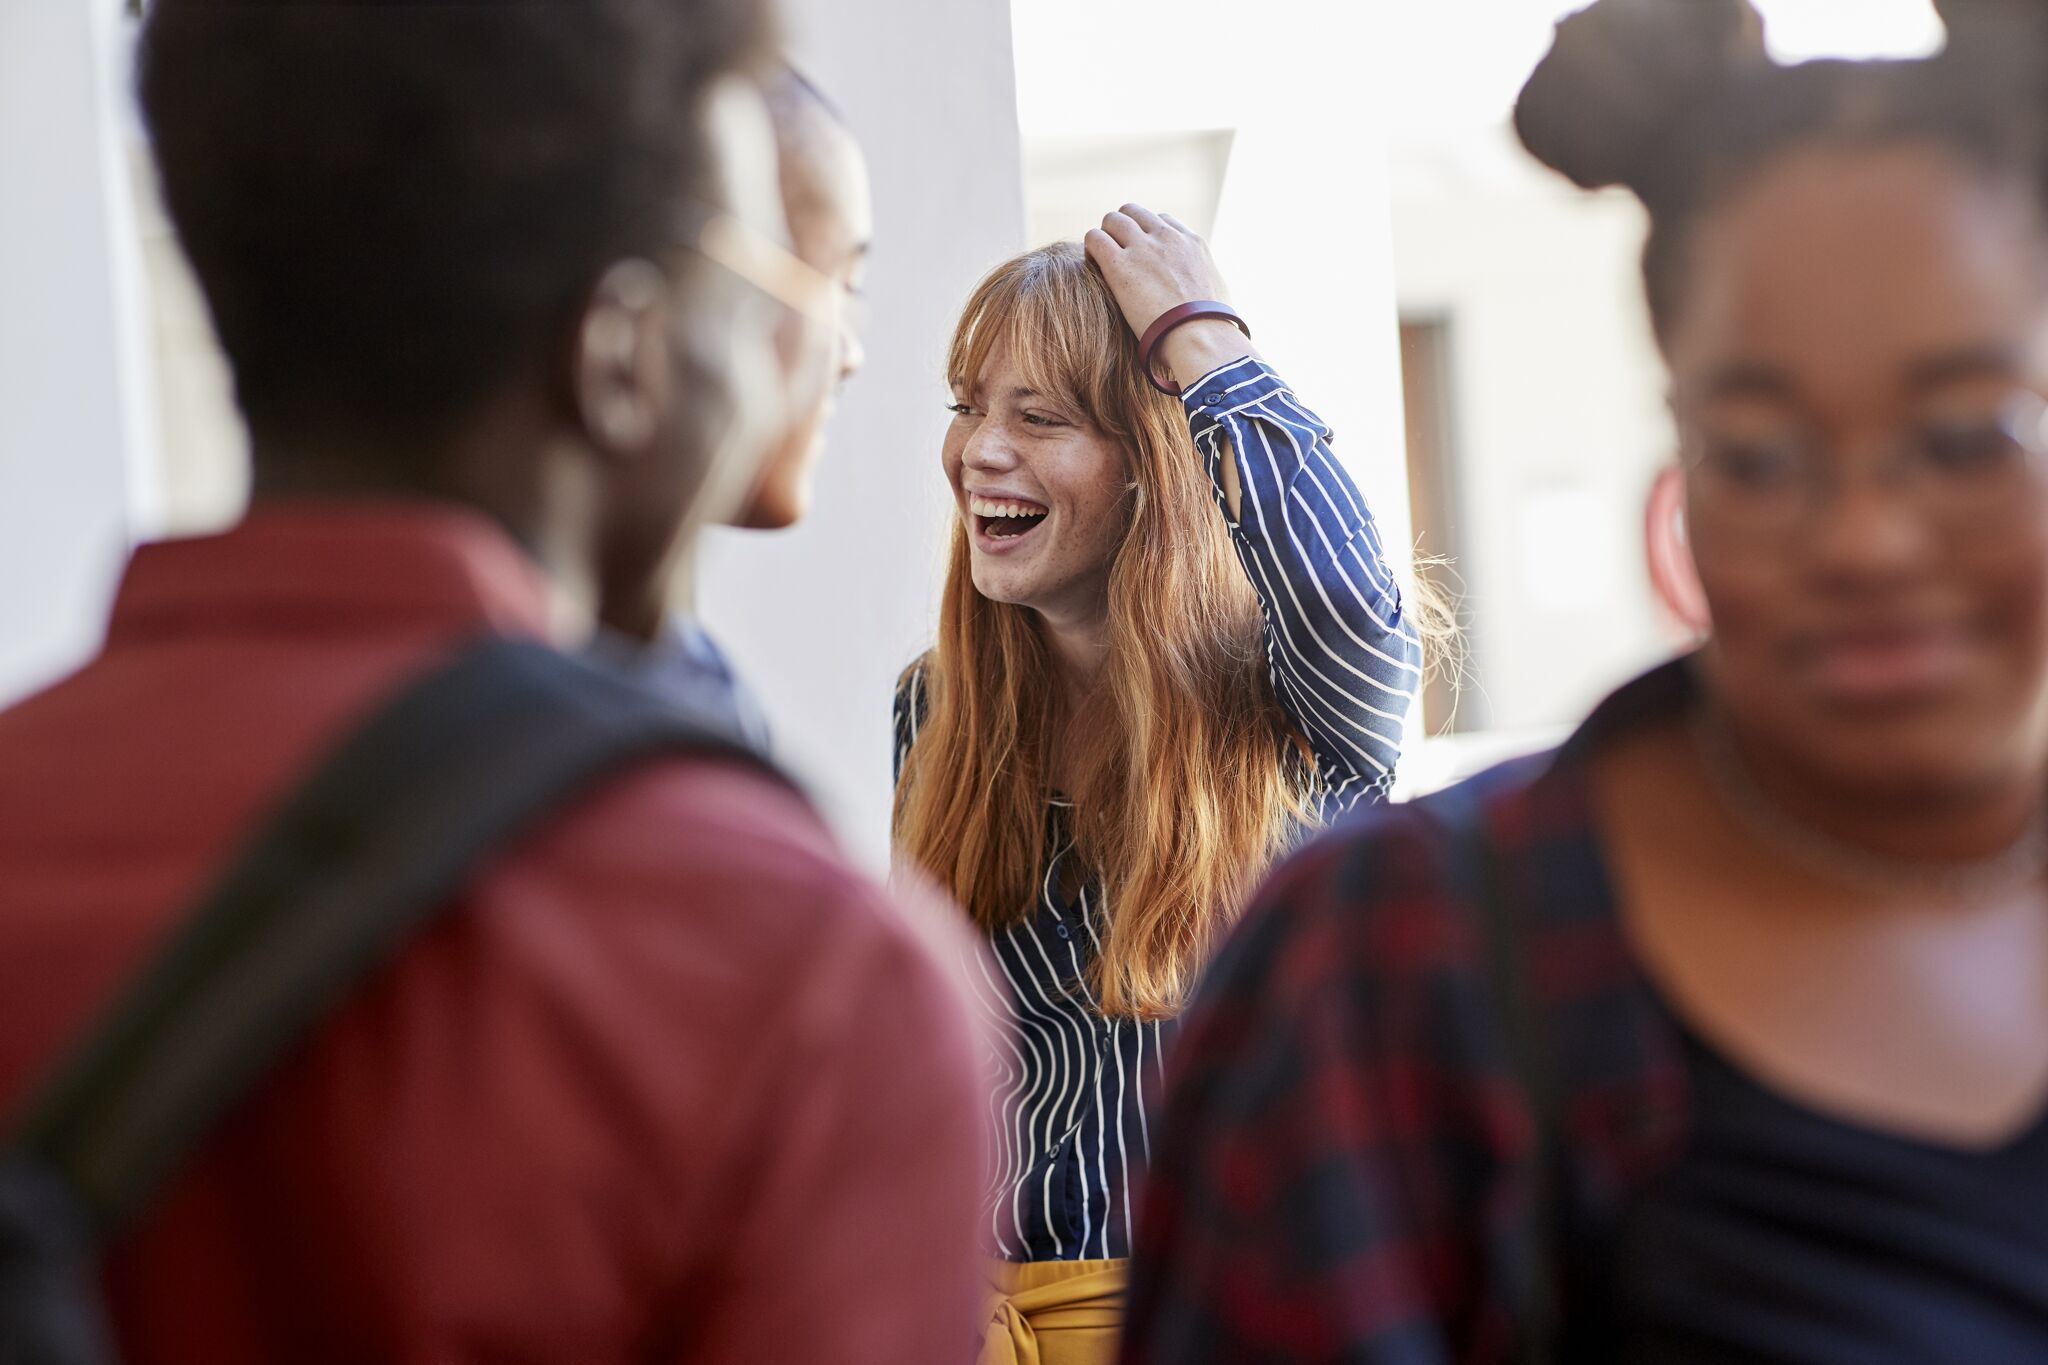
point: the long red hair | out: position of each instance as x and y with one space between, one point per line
1189 777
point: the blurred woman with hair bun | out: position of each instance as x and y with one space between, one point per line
1721 1033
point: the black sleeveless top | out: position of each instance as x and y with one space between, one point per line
1783 1235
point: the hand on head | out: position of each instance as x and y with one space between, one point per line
1154 262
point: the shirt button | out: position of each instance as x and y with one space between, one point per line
1063 932
1212 398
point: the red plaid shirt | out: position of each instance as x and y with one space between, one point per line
1342 1159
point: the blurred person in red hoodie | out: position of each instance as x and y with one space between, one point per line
672 1079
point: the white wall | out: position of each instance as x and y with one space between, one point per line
821 618
75 464
1557 422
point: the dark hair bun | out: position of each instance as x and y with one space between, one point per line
1620 78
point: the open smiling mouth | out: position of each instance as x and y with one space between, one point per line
1005 519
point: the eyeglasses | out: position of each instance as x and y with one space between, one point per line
758 259
1970 471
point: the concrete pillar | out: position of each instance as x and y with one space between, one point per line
76 456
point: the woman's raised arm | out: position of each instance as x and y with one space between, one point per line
1343 656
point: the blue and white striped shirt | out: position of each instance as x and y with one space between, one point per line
1073 1086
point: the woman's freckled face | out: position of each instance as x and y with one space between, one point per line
1018 449
1877 642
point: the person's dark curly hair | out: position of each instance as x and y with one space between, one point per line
1678 101
395 207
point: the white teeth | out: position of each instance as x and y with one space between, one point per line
984 507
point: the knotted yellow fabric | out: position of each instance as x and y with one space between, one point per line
1054 1312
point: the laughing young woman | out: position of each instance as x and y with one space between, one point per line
1169 641
1721 1034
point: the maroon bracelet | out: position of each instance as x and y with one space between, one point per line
1174 317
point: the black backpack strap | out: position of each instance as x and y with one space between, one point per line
368 852
1534 1258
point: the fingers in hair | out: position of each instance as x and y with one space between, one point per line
1143 217
1122 227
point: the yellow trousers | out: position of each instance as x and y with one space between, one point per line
1054 1312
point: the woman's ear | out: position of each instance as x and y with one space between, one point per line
620 371
1668 553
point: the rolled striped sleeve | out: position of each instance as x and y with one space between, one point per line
1344 660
